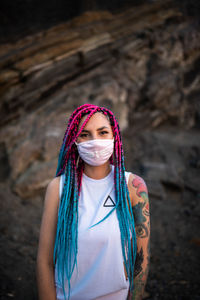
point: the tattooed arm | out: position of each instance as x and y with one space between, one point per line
140 206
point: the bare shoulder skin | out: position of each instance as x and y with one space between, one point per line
140 207
45 268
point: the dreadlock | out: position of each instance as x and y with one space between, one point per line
66 242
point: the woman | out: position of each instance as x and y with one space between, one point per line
94 236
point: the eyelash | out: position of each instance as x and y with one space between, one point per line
83 135
86 134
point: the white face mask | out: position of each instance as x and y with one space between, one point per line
96 152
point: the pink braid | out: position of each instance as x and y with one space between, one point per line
76 115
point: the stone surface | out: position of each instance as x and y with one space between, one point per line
143 64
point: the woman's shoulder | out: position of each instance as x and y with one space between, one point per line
51 200
52 191
54 183
137 188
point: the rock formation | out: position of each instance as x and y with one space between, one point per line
143 64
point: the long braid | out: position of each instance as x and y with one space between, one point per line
66 242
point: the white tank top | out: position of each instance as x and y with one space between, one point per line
100 270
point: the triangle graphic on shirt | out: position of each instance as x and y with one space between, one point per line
109 202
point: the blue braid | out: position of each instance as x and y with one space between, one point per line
67 236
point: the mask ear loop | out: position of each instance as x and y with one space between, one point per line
77 162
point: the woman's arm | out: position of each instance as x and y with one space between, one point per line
45 267
140 206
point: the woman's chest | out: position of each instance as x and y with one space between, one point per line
94 205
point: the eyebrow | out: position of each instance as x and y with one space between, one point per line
98 129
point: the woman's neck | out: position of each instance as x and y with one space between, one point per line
97 172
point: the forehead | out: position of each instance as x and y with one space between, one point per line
96 121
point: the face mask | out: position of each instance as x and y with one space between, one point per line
96 152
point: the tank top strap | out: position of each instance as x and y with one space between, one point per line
127 174
62 179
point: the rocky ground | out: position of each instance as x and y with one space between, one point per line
144 65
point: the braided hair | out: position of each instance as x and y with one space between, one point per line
66 242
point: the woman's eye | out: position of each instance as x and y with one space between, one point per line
83 135
103 132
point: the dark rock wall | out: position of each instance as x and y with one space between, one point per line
20 18
24 17
143 64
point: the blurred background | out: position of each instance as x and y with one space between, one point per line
141 59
